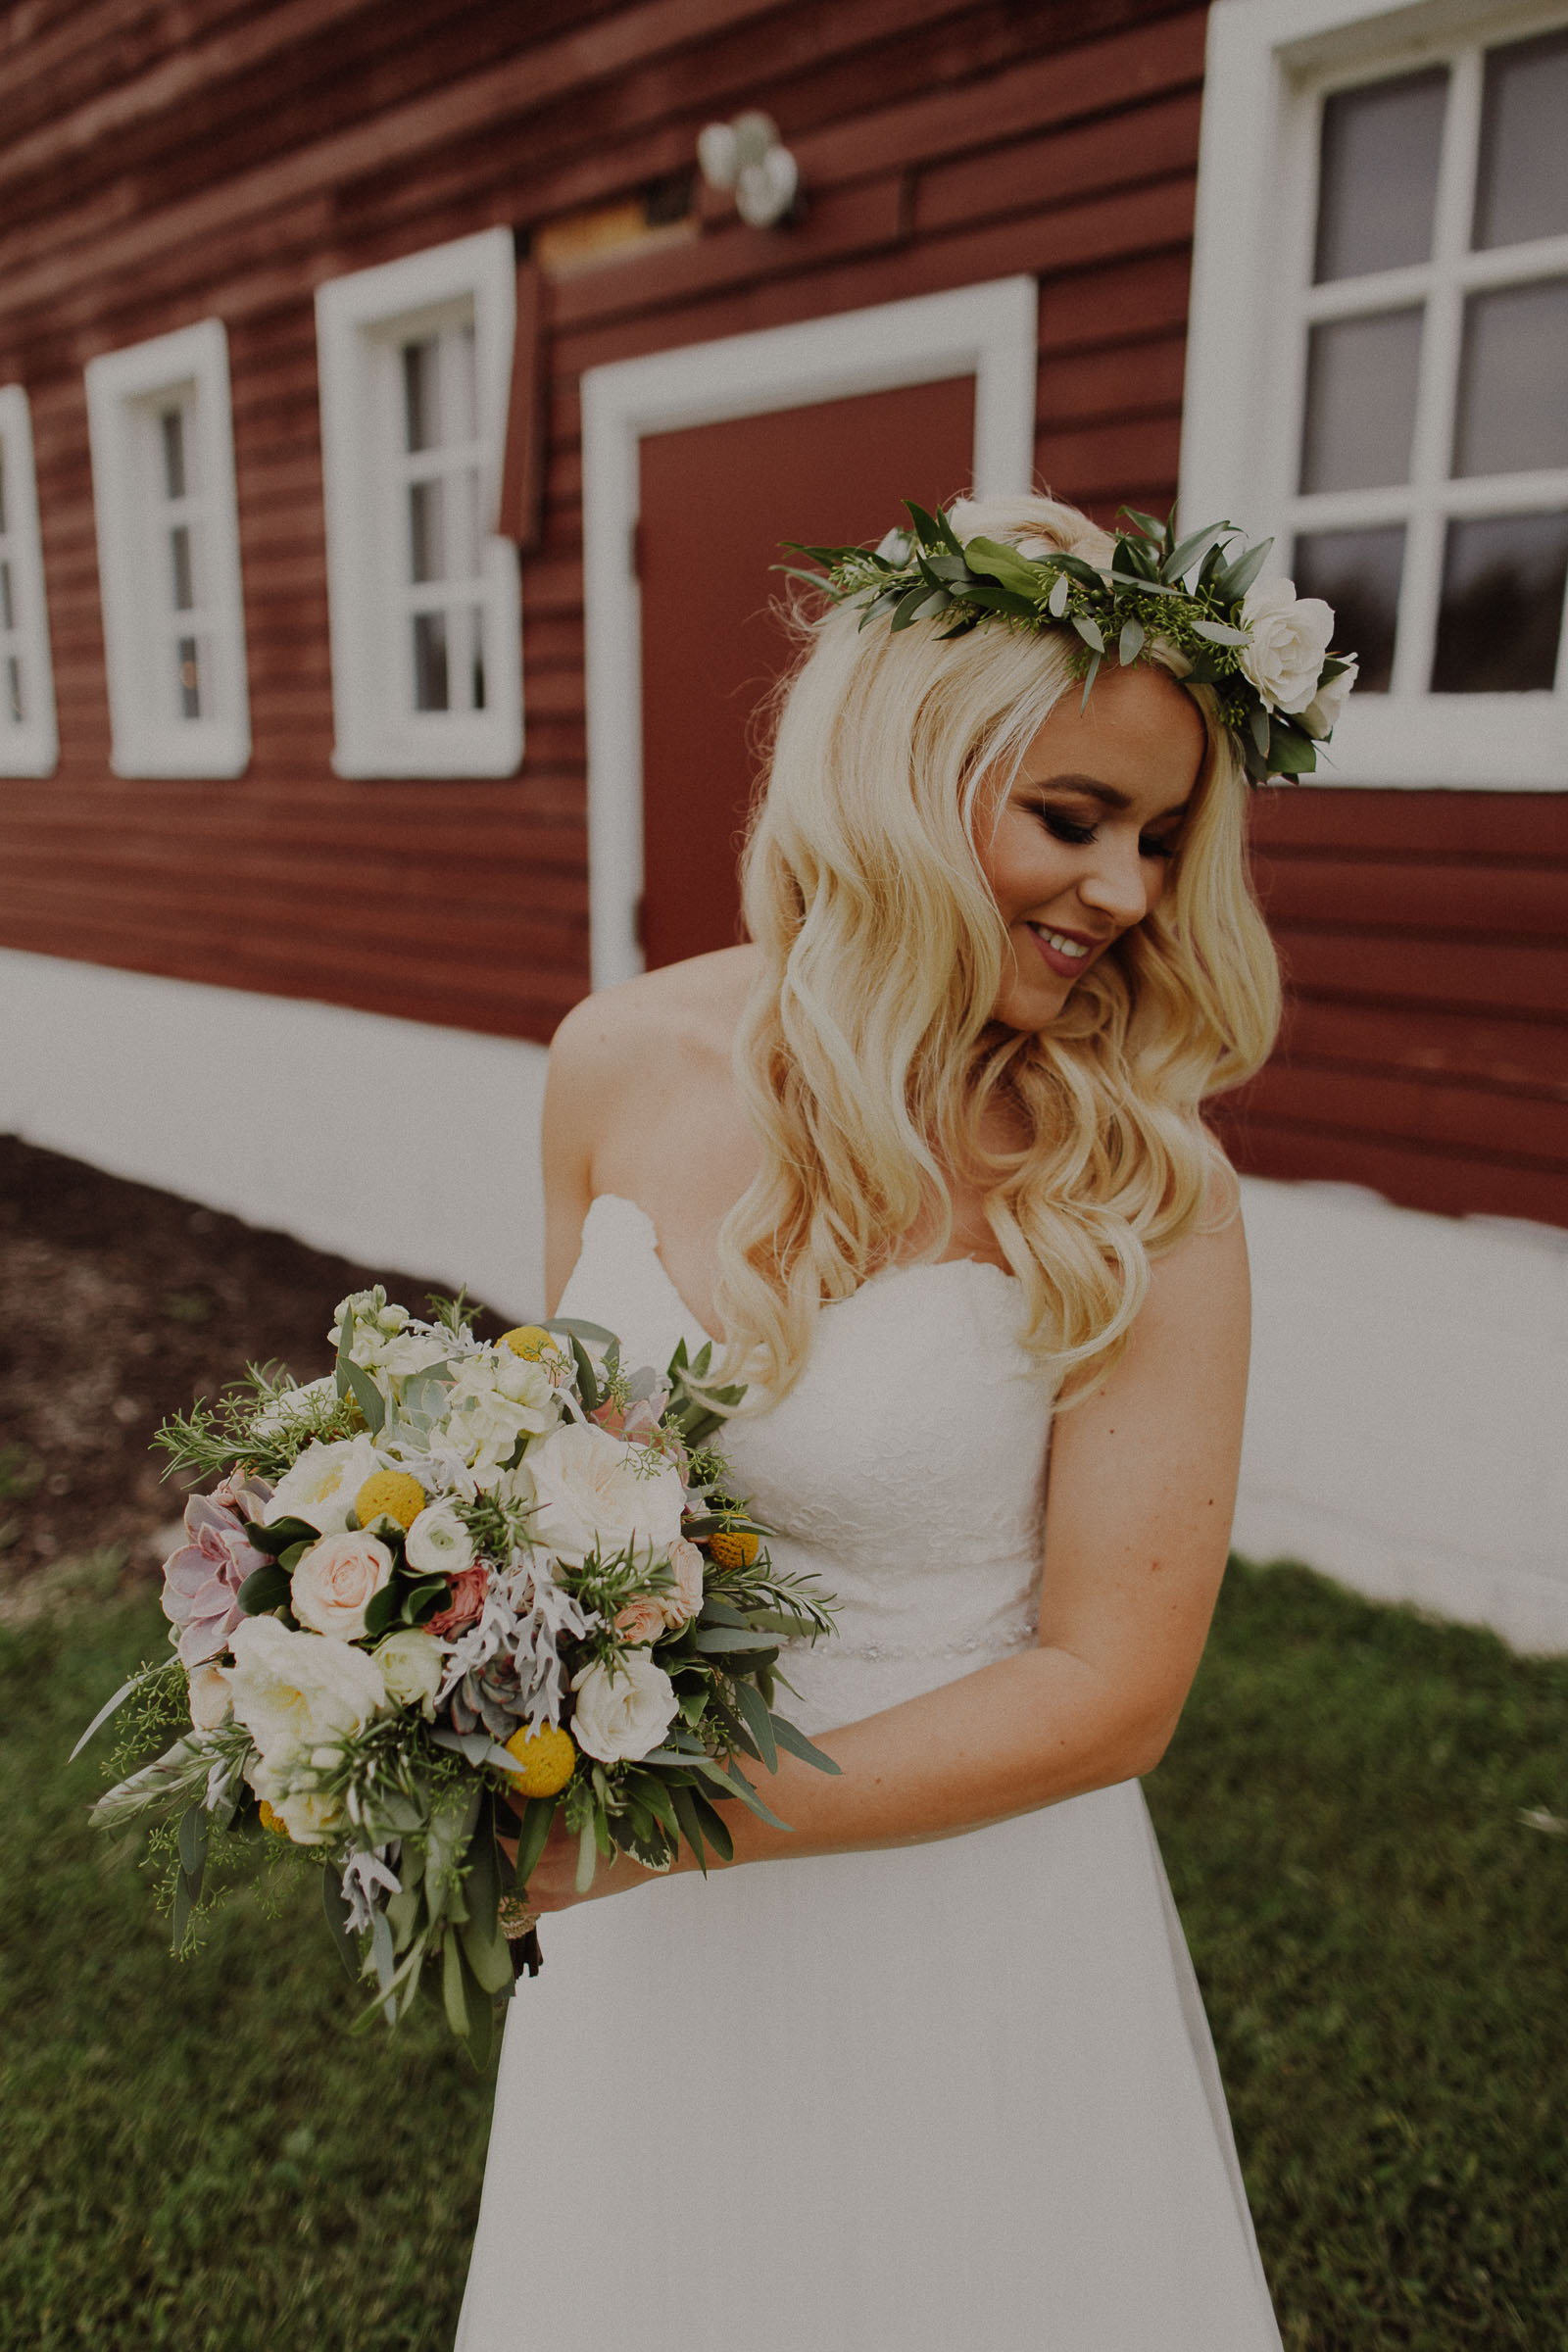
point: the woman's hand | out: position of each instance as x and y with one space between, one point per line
552 1881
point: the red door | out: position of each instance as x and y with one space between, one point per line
716 500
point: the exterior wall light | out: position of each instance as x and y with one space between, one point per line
746 155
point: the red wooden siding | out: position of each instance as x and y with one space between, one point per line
164 161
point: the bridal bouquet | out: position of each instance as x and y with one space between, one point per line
436 1598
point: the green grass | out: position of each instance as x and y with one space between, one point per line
196 2156
1382 1944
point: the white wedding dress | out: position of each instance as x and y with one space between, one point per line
950 2098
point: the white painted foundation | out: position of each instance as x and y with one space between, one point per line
1408 1426
395 1142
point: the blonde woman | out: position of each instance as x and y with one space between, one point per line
929 2070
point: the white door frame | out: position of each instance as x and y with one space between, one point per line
989 331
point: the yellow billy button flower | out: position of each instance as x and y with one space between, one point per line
732 1548
390 1494
529 1341
270 1820
546 1760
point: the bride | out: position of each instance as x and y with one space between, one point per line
929 1156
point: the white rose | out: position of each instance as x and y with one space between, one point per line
438 1543
594 1493
294 1690
1289 643
335 1581
411 1665
322 1484
293 1406
620 1716
210 1702
1323 713
527 1382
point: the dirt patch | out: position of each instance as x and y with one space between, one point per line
120 1305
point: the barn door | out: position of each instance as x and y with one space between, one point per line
715 499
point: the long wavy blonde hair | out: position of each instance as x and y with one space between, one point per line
866 1054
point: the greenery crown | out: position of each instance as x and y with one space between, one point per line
1277 686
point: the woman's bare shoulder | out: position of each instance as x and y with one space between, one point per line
686 1009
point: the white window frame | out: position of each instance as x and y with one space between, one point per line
30 747
125 393
1270 63
361 321
990 331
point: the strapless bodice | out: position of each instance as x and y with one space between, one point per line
905 1468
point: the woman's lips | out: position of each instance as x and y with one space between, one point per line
1067 953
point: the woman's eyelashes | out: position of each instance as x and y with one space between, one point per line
1077 835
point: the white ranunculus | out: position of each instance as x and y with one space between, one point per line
322 1484
294 1690
292 1406
438 1543
309 1817
620 1716
411 1665
335 1581
484 1419
1289 643
1322 714
210 1702
594 1493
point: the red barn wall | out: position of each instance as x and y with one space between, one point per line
162 164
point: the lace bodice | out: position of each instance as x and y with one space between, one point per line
905 1468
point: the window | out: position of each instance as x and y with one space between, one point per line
163 466
1395 311
29 744
415 361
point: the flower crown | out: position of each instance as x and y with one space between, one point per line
1265 650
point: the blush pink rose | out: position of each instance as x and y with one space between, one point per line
641 1620
686 1567
465 1603
335 1581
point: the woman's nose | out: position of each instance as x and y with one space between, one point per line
1118 882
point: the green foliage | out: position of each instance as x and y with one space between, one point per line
1187 593
213 1437
199 2159
1380 1939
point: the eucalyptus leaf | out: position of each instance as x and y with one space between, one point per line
281 1535
1060 590
1179 562
587 1385
1130 644
1219 632
759 1722
1236 579
686 1813
195 1826
714 1828
110 1705
1089 630
799 1746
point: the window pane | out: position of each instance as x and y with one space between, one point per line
14 702
1361 401
180 552
465 388
171 426
1502 615
190 678
462 524
1512 412
430 662
1358 572
478 658
421 408
424 531
1378 181
2 490
1522 186
8 617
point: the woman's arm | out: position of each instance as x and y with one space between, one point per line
1143 1483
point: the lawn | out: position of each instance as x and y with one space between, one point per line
197 2157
